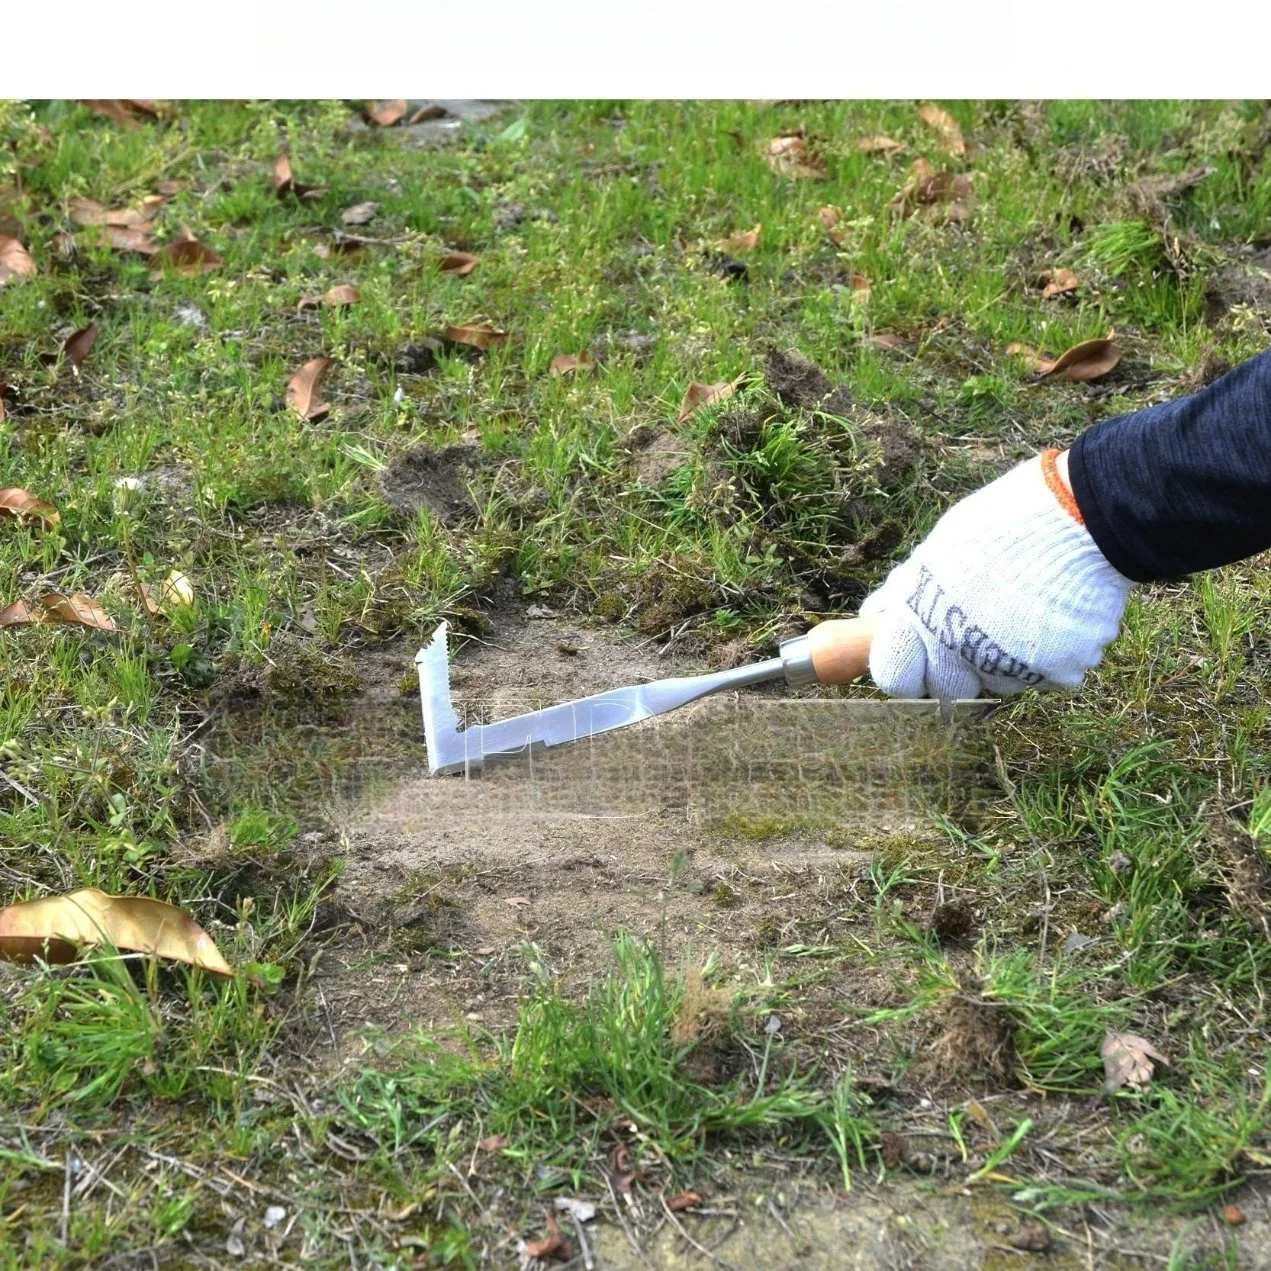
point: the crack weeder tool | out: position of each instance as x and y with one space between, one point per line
835 652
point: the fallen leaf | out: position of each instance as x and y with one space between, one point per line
927 186
1086 361
461 263
387 113
78 346
552 1245
4 388
15 260
495 1143
742 240
1059 282
885 340
685 1200
699 395
479 335
1129 1061
946 128
187 256
1035 360
342 294
360 213
788 154
87 212
54 926
286 185
621 1173
124 111
860 285
517 900
830 216
130 238
76 610
303 389
1234 1216
567 363
878 145
22 506
20 614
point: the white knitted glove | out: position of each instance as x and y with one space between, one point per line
1007 592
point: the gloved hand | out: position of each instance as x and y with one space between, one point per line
1008 591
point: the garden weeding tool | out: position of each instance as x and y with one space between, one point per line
835 652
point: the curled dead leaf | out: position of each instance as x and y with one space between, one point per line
789 154
1129 1060
360 213
187 256
55 608
1035 361
76 347
552 1245
479 335
742 240
1089 360
286 185
130 238
87 212
461 263
21 506
15 260
878 145
1059 282
945 126
304 389
568 363
386 113
622 1174
928 186
684 1200
830 216
20 614
698 395
342 294
55 927
126 111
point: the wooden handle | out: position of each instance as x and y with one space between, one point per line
840 649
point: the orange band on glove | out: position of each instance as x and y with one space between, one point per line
1055 484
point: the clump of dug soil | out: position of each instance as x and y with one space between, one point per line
436 480
976 1039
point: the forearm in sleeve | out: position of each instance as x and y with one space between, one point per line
1184 485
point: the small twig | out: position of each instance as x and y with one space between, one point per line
588 1260
65 1225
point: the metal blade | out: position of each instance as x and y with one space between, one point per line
452 749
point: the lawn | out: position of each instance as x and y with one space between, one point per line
506 432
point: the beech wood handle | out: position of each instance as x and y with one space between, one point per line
840 649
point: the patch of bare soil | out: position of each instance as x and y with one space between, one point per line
1241 283
437 480
738 825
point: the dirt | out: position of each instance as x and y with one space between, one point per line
436 480
655 455
1240 283
795 380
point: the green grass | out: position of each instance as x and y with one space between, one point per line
1104 820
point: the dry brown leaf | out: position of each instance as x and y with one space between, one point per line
621 1173
286 185
495 1143
4 388
860 285
685 1200
15 260
552 1245
75 610
946 128
342 294
461 263
87 212
1035 360
360 213
927 186
1059 282
22 506
125 111
699 395
386 113
830 216
742 240
20 614
130 238
304 389
885 340
479 335
1234 1216
187 256
78 346
568 363
1089 360
1129 1060
878 145
788 153
54 927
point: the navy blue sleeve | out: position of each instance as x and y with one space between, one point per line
1182 486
